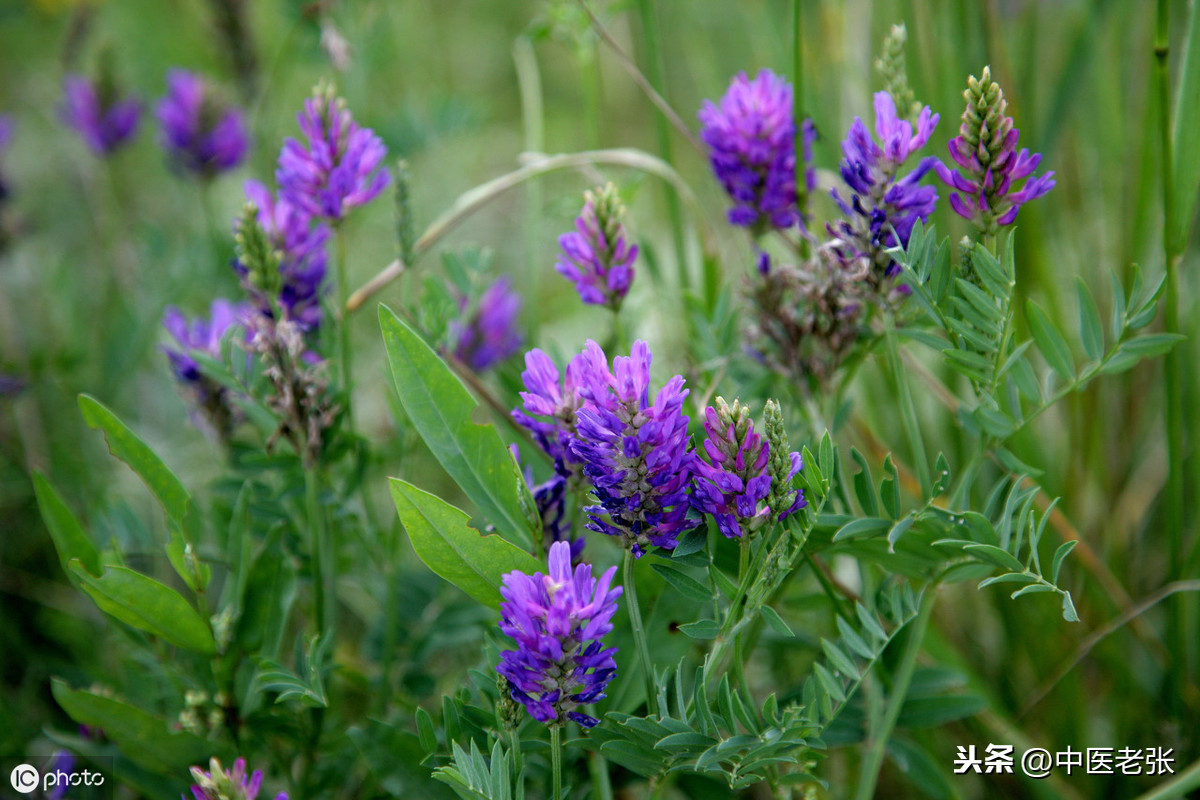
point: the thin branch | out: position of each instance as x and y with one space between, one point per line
1088 644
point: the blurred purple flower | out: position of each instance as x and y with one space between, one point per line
200 335
880 202
989 164
635 452
198 132
547 396
752 149
219 783
557 620
595 256
102 119
488 332
332 174
302 247
6 130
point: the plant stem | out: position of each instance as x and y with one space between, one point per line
316 526
343 289
1177 787
556 760
908 413
798 107
1176 433
654 73
639 632
908 662
601 785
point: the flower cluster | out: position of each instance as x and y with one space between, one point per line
335 171
302 255
104 120
219 783
487 333
557 621
882 208
735 483
989 164
595 256
751 142
634 451
204 336
556 402
200 133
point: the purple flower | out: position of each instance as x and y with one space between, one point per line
990 166
557 620
734 482
104 120
488 332
198 132
221 784
6 131
879 202
332 174
635 452
752 148
595 256
556 402
199 335
302 247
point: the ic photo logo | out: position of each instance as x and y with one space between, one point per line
24 778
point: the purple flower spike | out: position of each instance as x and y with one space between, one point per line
103 120
557 620
488 333
635 452
547 396
222 784
199 133
201 335
335 172
879 202
989 164
303 249
735 483
595 256
751 141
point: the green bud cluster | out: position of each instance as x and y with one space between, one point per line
782 495
256 253
893 67
508 711
985 122
217 784
609 210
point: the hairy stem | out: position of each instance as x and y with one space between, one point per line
639 632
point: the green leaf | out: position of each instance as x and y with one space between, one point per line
701 629
864 488
1060 555
928 712
70 539
840 661
453 549
125 445
1009 577
996 555
1033 588
147 605
687 586
145 739
1068 608
693 541
1090 327
440 408
425 731
1050 341
1150 345
862 527
775 621
1187 136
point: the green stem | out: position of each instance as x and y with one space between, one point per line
556 760
316 525
798 106
908 413
1177 787
343 288
639 632
655 61
1176 433
878 737
601 785
589 73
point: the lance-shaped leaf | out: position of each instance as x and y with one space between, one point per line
70 539
146 604
440 407
453 549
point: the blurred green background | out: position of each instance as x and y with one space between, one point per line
437 80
